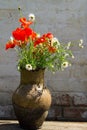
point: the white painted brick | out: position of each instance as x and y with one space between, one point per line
7 112
5 98
9 84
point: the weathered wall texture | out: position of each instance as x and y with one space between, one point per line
67 19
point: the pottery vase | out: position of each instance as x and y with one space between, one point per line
31 100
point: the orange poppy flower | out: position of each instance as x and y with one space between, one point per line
52 49
25 23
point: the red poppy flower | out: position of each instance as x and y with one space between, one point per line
9 45
39 40
18 33
22 34
48 35
34 36
28 32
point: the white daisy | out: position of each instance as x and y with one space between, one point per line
38 35
28 67
73 56
66 54
55 40
18 68
65 64
81 43
31 17
11 38
69 44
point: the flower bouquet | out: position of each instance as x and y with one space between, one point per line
37 51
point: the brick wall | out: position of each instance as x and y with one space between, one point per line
68 21
71 106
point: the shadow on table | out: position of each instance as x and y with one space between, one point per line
10 127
